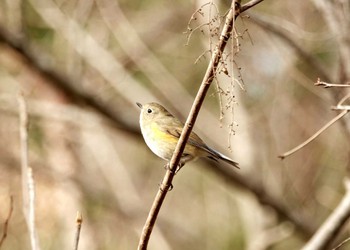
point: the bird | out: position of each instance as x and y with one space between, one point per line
161 132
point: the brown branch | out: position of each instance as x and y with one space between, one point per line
341 244
174 162
330 85
250 4
75 95
79 221
332 226
6 223
300 146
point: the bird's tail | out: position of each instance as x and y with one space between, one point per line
217 155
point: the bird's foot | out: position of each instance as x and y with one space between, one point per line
179 167
167 167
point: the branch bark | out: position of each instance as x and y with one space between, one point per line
206 82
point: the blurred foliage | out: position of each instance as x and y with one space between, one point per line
84 160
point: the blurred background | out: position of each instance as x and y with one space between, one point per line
81 65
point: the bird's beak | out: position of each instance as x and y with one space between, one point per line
139 104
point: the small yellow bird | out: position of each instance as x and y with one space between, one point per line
161 132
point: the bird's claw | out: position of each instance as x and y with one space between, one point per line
167 167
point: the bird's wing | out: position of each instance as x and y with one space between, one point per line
193 139
176 130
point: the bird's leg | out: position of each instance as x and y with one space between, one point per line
167 167
184 158
181 164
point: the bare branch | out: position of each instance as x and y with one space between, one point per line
297 148
79 221
174 162
330 85
250 4
341 244
331 227
341 107
28 188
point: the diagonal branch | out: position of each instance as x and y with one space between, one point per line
28 187
233 13
334 223
79 221
249 5
314 136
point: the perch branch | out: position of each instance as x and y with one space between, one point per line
174 162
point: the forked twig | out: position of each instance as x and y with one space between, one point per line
331 85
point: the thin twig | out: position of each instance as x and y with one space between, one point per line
6 223
330 85
332 226
341 107
341 244
250 4
190 30
79 221
300 146
174 162
28 188
347 96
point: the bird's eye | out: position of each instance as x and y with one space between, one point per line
149 111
